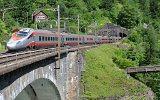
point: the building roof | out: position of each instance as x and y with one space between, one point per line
37 12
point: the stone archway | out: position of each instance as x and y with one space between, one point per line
40 89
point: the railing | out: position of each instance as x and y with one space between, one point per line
143 69
10 62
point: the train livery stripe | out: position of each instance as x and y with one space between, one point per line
41 44
51 43
15 38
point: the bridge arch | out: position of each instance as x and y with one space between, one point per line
40 89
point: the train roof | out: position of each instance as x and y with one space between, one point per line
40 30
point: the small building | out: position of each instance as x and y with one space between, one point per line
39 16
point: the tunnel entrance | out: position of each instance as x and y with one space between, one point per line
41 89
122 35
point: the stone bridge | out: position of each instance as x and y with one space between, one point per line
43 80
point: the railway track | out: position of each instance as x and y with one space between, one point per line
10 62
8 57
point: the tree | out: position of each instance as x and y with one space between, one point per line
128 17
154 8
151 46
3 32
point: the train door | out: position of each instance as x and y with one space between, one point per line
62 41
83 40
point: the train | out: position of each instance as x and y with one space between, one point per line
28 38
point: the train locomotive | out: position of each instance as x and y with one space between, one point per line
28 38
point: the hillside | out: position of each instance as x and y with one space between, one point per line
104 79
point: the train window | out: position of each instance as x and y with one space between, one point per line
48 38
51 38
43 38
39 38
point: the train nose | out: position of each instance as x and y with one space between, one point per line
12 45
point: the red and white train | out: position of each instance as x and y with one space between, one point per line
27 38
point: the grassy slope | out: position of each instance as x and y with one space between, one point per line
103 79
2 48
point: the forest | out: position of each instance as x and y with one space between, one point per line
140 17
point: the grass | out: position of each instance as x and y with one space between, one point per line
2 48
103 79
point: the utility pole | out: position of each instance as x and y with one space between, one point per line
95 25
59 37
78 19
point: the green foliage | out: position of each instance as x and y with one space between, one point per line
154 8
151 46
127 17
152 80
135 37
122 60
3 32
116 8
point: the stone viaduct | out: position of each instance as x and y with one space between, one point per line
42 80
